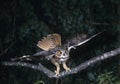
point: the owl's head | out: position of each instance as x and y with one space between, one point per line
61 53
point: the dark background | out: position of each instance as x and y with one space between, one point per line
24 22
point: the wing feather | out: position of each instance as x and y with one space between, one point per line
50 41
79 40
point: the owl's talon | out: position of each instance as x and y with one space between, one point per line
57 73
67 69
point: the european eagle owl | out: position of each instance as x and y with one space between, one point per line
57 52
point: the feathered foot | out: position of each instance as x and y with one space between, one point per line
67 69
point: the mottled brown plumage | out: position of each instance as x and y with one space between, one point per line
50 42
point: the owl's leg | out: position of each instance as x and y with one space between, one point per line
66 67
57 71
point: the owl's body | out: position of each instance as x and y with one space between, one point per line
63 57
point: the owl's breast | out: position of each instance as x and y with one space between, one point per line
62 57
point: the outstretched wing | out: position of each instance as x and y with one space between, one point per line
38 55
50 42
79 40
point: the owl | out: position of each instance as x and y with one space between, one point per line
60 52
56 52
53 41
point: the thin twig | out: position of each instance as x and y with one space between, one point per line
5 51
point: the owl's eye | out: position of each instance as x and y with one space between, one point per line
58 53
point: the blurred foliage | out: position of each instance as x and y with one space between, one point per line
24 22
107 78
39 82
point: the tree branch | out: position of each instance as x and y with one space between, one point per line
74 70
